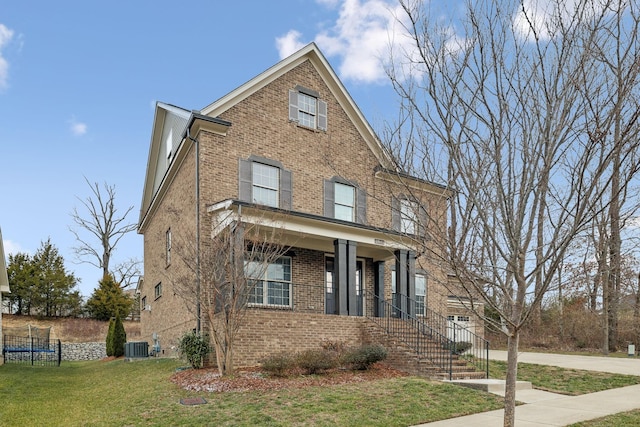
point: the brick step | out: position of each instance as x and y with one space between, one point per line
403 356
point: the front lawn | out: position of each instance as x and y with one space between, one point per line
117 393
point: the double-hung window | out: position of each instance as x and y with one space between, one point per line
344 200
307 109
408 216
265 182
168 247
270 283
158 290
421 293
420 280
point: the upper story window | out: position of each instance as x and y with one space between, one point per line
344 200
168 247
158 290
407 215
307 109
265 182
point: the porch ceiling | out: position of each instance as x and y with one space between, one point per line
307 231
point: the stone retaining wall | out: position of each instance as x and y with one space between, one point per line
84 351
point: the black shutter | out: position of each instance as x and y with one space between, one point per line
286 189
329 199
322 115
361 206
245 181
293 105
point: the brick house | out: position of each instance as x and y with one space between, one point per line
292 144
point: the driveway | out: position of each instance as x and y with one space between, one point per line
616 365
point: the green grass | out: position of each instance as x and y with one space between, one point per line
626 419
117 393
565 381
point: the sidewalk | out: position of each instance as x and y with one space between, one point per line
550 409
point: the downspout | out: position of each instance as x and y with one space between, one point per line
195 141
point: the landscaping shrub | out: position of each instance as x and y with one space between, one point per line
119 337
315 361
109 339
363 357
194 348
278 365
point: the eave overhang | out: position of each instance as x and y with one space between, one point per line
196 123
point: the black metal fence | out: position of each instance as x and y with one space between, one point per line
32 351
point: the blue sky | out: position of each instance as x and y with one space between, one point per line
79 79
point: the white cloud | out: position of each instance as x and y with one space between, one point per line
289 43
361 36
5 37
12 248
542 16
77 128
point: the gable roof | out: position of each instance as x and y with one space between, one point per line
4 278
311 53
169 117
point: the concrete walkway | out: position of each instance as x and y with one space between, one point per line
549 409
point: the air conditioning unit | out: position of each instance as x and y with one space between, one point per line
147 307
136 349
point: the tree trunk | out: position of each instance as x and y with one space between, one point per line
512 374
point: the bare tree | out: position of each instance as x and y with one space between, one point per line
104 224
228 274
499 105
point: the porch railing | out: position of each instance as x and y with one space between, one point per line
440 342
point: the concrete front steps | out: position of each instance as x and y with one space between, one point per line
401 356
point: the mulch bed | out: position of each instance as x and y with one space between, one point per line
254 379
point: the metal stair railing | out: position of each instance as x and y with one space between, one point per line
431 341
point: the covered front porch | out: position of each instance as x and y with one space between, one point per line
331 266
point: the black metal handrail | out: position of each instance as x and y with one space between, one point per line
438 342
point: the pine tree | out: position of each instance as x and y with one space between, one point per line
108 300
110 334
119 338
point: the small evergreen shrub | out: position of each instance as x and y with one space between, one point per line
278 365
119 337
362 358
194 348
315 361
109 340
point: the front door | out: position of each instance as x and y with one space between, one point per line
330 289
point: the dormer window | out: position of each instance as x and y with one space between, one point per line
307 109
